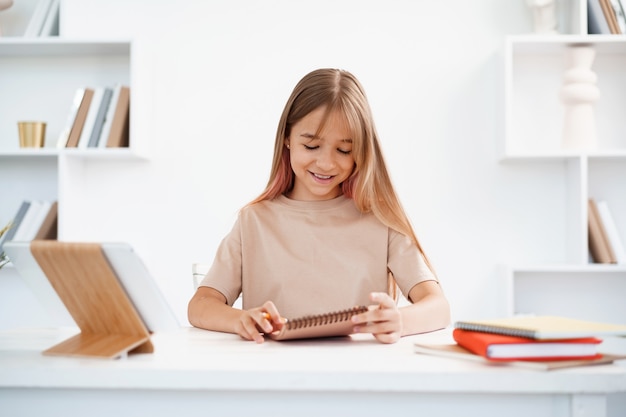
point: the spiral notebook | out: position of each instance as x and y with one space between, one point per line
543 327
330 324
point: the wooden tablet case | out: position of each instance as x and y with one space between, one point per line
82 277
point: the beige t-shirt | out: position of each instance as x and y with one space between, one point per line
311 257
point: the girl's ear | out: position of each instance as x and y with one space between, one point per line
287 143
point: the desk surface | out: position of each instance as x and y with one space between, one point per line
193 359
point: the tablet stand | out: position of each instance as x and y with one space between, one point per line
84 280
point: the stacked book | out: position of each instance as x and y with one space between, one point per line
44 20
605 241
34 220
605 17
540 342
98 118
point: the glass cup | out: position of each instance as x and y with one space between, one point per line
198 271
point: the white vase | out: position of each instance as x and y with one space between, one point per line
578 94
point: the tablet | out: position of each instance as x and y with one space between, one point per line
131 272
27 267
140 286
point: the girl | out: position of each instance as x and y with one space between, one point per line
327 233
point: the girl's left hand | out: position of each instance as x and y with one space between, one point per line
383 320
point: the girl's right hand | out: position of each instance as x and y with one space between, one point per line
257 321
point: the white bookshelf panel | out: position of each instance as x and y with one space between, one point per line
607 181
38 80
593 293
534 67
533 125
26 178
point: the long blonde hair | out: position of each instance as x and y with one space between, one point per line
369 185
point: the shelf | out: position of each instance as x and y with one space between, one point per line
30 153
55 46
564 155
39 77
533 116
532 111
588 292
107 153
38 80
569 268
557 44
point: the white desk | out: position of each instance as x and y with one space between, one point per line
195 372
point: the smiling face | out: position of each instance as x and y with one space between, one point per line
320 160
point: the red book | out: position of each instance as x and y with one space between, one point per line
500 347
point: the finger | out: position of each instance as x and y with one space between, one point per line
251 335
252 331
264 322
384 332
377 327
387 338
272 313
383 300
376 314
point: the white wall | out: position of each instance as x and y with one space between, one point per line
210 80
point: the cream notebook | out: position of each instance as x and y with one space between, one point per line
543 327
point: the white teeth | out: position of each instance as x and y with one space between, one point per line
322 177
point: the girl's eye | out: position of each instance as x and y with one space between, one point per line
310 148
344 152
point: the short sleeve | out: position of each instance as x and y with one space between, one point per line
406 262
225 272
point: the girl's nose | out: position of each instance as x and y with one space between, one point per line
326 161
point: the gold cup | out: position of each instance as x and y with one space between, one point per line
32 134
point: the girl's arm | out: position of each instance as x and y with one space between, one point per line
429 311
208 310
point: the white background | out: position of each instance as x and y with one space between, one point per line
210 79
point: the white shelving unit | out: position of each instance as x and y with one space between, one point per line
38 79
533 121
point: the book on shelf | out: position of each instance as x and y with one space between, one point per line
78 121
329 324
108 118
48 228
65 133
610 16
502 347
620 14
605 17
103 108
38 18
23 231
38 221
50 25
543 327
30 227
116 129
612 233
15 223
98 118
599 245
90 119
454 351
596 21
